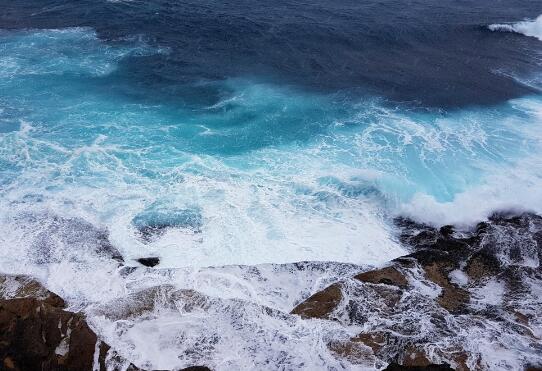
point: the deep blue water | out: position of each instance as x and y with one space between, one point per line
267 131
419 52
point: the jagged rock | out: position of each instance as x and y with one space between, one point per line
482 278
37 333
375 340
414 357
482 264
17 286
354 352
145 301
149 262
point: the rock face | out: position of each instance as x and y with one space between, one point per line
435 306
37 333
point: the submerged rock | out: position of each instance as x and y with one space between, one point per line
159 217
55 238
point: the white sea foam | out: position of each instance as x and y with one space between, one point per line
489 294
514 185
531 28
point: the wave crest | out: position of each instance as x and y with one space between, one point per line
528 28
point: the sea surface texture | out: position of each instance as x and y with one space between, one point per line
231 139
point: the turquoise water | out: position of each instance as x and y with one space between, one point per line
247 170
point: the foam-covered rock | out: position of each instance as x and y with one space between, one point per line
436 306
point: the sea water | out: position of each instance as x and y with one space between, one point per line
209 134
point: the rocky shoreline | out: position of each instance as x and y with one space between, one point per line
485 280
38 333
458 293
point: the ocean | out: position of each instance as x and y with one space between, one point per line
227 137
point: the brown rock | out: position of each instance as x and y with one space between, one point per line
461 359
414 356
374 340
397 367
352 351
521 318
452 298
482 265
19 286
36 333
388 276
8 363
321 304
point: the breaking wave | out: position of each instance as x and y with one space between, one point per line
531 28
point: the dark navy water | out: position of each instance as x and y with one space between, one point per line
412 52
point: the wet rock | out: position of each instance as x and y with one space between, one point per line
388 276
482 264
452 297
37 333
354 352
480 279
321 304
149 262
414 357
18 286
375 340
143 303
432 367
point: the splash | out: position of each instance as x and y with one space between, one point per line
528 28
